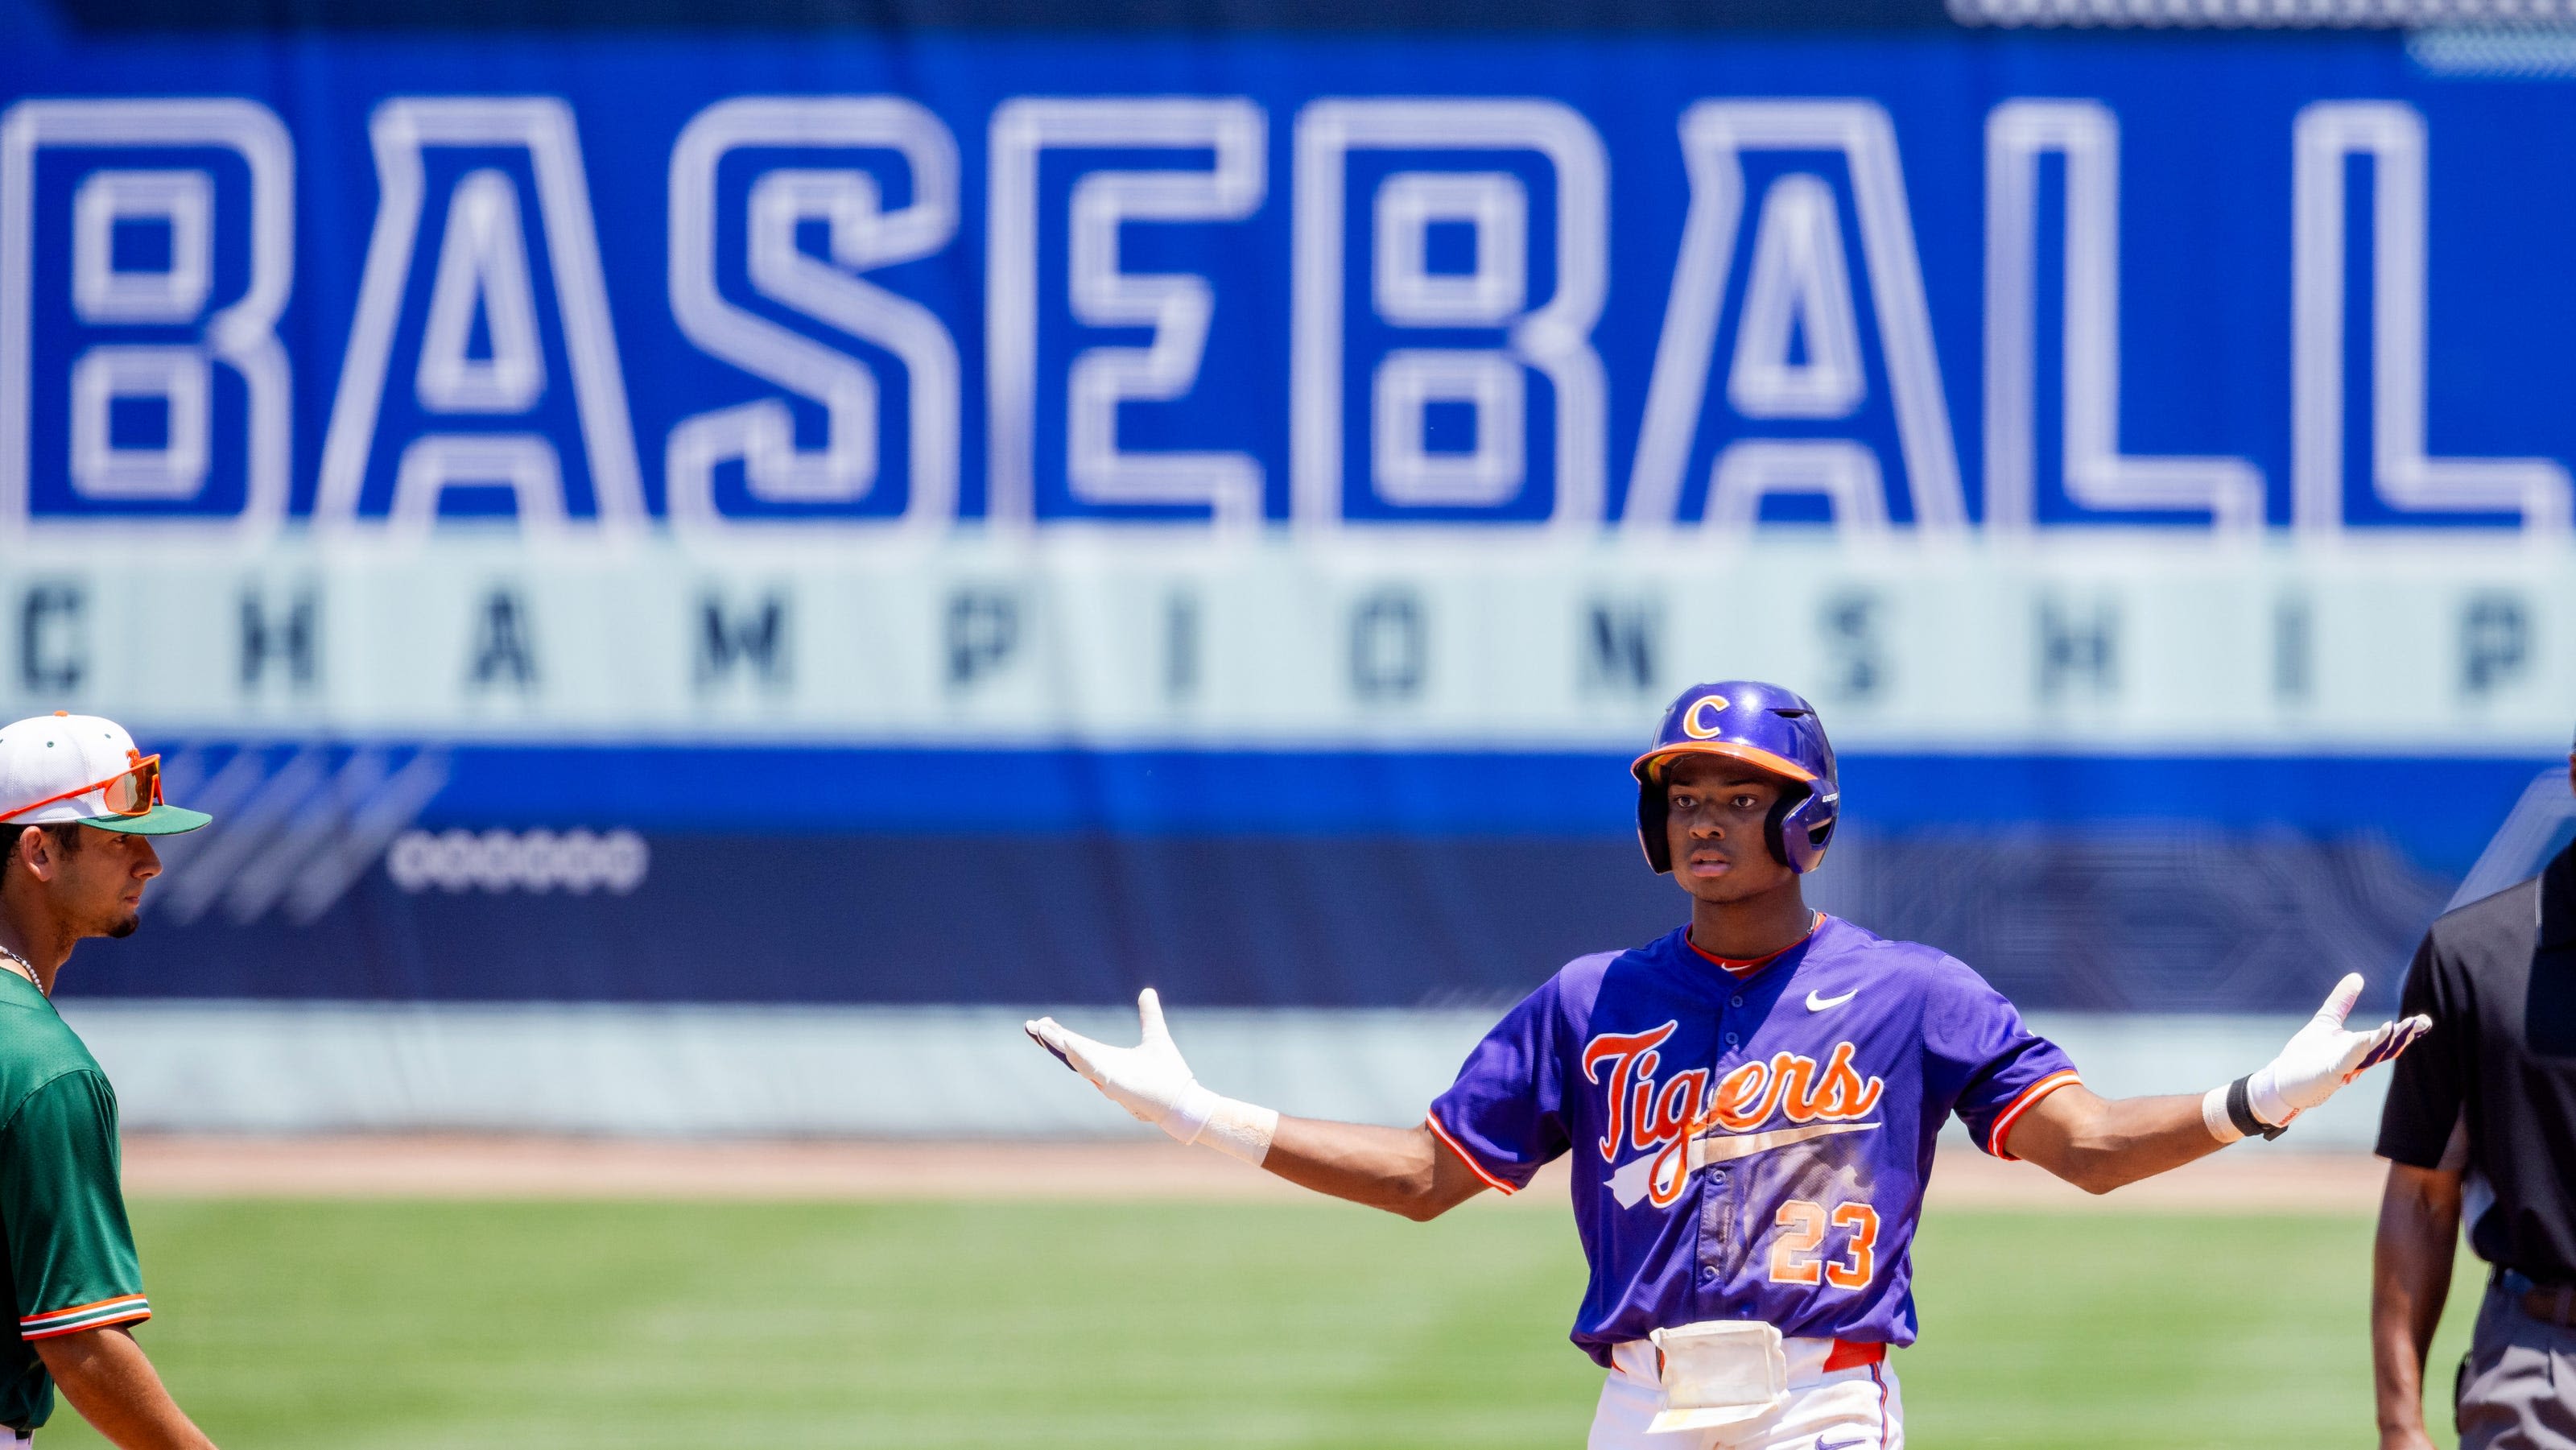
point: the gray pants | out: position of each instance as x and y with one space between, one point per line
2517 1386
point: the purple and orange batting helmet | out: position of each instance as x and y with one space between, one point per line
1771 729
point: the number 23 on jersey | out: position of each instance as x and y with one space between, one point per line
1798 1255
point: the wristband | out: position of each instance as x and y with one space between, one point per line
2213 1116
1238 1130
2228 1113
2240 1111
1187 1117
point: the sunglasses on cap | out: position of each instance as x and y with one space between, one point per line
133 791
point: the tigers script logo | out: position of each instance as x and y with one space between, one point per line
1686 1123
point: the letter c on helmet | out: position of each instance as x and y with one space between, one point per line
1691 724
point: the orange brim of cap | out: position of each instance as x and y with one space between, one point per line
1650 766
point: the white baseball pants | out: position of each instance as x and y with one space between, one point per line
1850 1409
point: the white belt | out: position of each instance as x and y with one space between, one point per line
1635 1358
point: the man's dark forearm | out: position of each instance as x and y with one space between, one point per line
108 1378
1405 1171
2419 1226
2099 1144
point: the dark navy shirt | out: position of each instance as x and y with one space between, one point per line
2498 1070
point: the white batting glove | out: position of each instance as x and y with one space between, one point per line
1155 1086
2316 1064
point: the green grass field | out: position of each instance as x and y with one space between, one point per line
287 1325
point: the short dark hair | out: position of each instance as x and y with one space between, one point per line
61 832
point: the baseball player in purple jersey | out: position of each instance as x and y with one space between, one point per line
1750 1105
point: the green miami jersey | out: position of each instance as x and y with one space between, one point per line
70 1261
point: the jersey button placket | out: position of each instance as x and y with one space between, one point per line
1717 1187
1716 1225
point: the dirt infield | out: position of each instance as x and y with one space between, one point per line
439 1166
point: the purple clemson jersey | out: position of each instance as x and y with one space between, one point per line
1747 1148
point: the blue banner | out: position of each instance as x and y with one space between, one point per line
555 494
1931 279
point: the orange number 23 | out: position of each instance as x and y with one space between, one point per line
1794 1256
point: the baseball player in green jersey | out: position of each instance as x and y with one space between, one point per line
79 806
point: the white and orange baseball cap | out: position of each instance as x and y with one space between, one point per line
63 767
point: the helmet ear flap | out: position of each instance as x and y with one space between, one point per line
1818 838
1778 823
1654 833
1799 830
1774 833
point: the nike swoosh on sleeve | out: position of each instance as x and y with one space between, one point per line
1819 1004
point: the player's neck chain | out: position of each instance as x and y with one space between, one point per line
28 970
1745 966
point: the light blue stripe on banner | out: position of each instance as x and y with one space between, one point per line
2503 52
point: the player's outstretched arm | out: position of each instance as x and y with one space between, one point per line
2099 1144
107 1377
1401 1170
1407 1171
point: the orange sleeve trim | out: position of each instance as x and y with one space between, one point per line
81 1308
128 1309
30 1336
1996 1135
1496 1184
